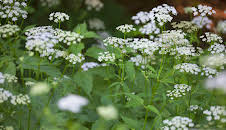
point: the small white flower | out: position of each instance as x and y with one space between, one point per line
72 103
39 89
58 17
107 112
126 28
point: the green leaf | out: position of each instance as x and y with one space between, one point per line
133 124
28 27
11 68
50 70
153 109
94 52
77 48
134 101
91 34
85 81
81 28
130 70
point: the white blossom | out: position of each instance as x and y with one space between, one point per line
106 56
107 112
188 68
126 28
94 4
8 30
72 103
178 91
58 17
177 123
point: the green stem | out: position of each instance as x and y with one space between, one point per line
29 118
145 120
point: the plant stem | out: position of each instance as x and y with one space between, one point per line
145 120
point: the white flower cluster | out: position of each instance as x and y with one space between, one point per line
173 37
58 17
178 123
217 48
50 3
126 28
186 26
106 56
216 113
140 61
215 60
145 46
117 42
2 78
72 103
184 51
10 78
68 37
143 17
178 91
42 40
8 30
94 4
195 108
218 82
188 68
211 37
74 59
13 9
209 72
149 28
221 26
96 24
108 112
45 39
203 10
14 99
20 99
89 65
202 21
6 127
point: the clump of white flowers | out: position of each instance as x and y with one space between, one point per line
72 103
96 24
50 3
141 61
20 99
218 82
188 68
178 91
211 37
117 42
145 46
216 113
94 4
209 72
2 78
178 122
202 22
74 59
8 30
162 13
10 78
107 112
68 37
216 48
203 10
159 15
221 26
13 9
58 17
39 89
195 108
89 65
106 56
126 28
214 61
149 28
45 39
186 26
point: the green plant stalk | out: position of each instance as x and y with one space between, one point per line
145 119
29 118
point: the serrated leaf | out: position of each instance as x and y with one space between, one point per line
81 28
134 101
84 80
11 68
77 48
130 70
94 52
133 124
153 109
90 34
